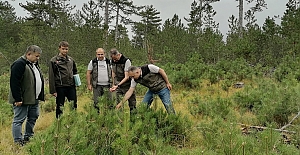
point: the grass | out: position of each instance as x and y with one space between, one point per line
179 99
7 147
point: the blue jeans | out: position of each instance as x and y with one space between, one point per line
31 112
164 95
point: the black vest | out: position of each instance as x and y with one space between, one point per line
94 72
118 68
154 81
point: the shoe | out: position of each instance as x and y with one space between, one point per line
20 143
26 140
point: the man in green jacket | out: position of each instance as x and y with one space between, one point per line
62 69
26 89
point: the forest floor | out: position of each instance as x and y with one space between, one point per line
46 119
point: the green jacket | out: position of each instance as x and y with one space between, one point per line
61 71
23 83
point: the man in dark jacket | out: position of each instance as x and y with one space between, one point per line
98 76
155 79
26 89
62 69
120 66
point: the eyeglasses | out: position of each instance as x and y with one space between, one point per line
100 54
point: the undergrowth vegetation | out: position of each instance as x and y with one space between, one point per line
213 116
113 132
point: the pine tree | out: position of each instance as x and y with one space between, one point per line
146 30
91 14
10 28
201 13
291 27
119 11
147 27
50 13
250 13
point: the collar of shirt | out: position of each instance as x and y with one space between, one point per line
101 60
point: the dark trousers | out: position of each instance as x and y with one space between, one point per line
62 93
100 91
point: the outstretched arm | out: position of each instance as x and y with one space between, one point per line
126 97
165 77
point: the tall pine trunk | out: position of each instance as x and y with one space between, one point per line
106 24
117 25
241 7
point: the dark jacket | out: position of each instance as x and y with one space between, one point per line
23 82
118 69
94 72
154 81
61 71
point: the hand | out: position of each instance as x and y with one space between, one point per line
119 106
54 94
90 87
169 86
18 104
113 88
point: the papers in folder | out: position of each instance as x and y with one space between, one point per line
77 80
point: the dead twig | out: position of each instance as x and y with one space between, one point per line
260 128
290 123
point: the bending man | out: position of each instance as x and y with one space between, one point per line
155 79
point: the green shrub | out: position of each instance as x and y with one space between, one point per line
113 132
49 105
210 107
6 113
269 101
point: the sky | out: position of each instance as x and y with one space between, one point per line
167 9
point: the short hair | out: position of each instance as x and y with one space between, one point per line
63 43
114 51
34 49
132 68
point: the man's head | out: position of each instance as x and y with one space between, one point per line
134 72
63 48
100 53
33 53
115 55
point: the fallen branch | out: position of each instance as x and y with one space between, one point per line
264 128
290 123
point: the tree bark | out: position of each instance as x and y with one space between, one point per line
106 24
117 25
241 7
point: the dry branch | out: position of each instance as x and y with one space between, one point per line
290 123
260 128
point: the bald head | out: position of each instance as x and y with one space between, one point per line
100 53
